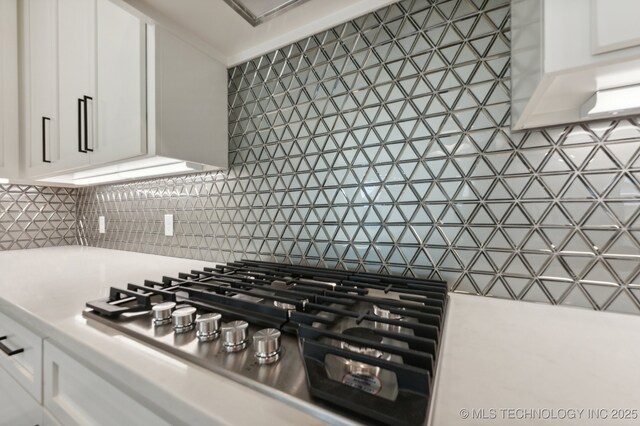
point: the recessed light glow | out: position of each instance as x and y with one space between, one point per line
181 167
616 101
3 180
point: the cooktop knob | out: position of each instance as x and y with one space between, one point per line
208 326
162 313
267 345
183 319
235 335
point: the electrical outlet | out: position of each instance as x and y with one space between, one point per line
102 226
168 225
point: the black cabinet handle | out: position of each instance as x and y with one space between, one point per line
80 110
86 127
44 141
8 351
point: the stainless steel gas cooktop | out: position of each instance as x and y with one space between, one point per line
347 347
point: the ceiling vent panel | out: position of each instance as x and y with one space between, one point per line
258 11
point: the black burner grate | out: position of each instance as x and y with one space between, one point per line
395 325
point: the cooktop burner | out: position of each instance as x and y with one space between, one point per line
363 333
348 347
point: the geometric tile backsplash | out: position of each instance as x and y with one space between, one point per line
32 216
383 144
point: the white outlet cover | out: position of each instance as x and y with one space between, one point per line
102 226
168 225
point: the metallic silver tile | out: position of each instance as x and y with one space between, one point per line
32 216
384 145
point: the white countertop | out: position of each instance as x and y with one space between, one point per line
51 287
511 356
497 354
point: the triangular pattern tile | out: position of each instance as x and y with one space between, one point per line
384 145
32 217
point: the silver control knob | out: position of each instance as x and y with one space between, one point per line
208 326
183 319
267 345
162 313
235 335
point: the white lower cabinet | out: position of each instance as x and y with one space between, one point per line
17 407
41 384
21 355
48 419
75 395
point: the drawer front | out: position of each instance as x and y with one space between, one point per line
25 366
17 407
75 395
48 419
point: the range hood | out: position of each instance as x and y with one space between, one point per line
612 102
573 70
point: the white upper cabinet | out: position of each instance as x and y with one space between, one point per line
39 86
76 77
8 89
187 101
120 92
55 32
110 95
563 52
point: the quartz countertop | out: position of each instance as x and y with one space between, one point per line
47 288
507 359
499 357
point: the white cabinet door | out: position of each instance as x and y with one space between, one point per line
121 82
40 46
75 395
17 408
25 365
615 24
48 419
8 88
76 56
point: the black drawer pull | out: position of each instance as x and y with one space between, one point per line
80 130
8 351
44 140
86 126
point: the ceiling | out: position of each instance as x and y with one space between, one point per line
215 27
